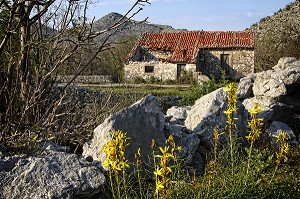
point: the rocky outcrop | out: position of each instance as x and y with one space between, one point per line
277 36
52 174
277 90
143 122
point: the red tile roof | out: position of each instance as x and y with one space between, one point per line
185 45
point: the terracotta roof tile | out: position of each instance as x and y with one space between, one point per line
184 45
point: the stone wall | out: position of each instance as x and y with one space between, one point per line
96 79
241 62
162 70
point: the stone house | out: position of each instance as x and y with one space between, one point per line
166 55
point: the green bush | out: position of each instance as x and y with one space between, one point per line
186 78
169 82
139 80
198 91
153 80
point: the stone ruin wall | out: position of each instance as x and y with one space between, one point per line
241 62
162 70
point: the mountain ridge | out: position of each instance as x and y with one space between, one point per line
129 28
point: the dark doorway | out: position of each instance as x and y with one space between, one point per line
225 62
180 67
201 66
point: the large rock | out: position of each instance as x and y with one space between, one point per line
276 91
286 62
208 112
178 112
143 121
266 85
276 127
245 86
51 175
184 138
283 80
267 104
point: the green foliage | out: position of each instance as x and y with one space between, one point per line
186 77
169 82
139 80
153 80
198 91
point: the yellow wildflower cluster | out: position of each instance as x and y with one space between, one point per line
174 148
231 107
115 151
163 170
283 148
255 123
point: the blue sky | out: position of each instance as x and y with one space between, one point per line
195 14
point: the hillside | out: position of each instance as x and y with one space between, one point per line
277 36
131 28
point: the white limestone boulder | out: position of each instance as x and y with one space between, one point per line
178 112
143 121
50 175
287 62
245 86
267 86
208 112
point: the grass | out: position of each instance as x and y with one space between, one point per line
143 90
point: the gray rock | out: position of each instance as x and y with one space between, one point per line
244 89
267 86
208 112
173 120
276 127
178 112
54 147
286 62
185 138
143 121
266 103
52 175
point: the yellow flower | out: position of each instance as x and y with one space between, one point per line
159 186
163 170
255 123
284 148
115 152
255 109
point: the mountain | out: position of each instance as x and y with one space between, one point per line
130 28
277 36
